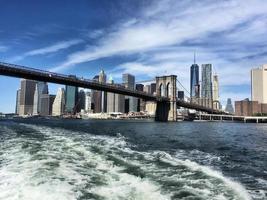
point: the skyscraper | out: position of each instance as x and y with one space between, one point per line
96 97
215 93
153 88
41 88
129 83
59 103
103 79
17 102
206 86
81 101
229 107
115 102
71 97
46 102
88 102
259 84
26 96
194 81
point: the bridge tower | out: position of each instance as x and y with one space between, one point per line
166 109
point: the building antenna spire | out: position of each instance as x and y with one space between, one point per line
194 57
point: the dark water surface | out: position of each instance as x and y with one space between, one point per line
78 159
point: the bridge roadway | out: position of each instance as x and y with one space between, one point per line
18 71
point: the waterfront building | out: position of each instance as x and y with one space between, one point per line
41 88
259 84
229 107
246 107
96 97
27 88
129 83
215 93
46 102
115 102
71 97
58 106
206 85
17 102
88 102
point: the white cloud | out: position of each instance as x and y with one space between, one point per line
3 48
49 49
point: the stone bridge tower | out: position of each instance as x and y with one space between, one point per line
166 109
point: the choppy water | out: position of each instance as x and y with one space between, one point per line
76 159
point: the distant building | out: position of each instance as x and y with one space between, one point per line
96 97
59 103
147 89
88 102
139 87
153 88
81 101
115 102
259 84
206 85
229 107
46 104
215 93
17 102
71 98
27 88
41 88
103 79
181 95
129 83
194 82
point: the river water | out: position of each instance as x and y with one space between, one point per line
142 160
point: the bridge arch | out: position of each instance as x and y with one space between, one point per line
166 87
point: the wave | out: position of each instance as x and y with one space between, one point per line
78 165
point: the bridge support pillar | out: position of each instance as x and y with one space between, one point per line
166 87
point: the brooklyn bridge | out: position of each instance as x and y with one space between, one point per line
166 89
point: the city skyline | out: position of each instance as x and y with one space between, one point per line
141 44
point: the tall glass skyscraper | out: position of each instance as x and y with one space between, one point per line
129 83
194 81
71 99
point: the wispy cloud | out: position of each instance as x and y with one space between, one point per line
49 49
3 48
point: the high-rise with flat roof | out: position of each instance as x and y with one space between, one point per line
27 88
41 88
215 93
259 84
59 103
17 102
71 97
129 83
206 85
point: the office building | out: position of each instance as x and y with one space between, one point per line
215 93
81 101
88 102
147 89
139 87
140 102
229 107
206 85
259 84
27 88
41 88
194 82
71 98
17 102
46 102
153 88
59 103
129 83
96 97
115 102
103 79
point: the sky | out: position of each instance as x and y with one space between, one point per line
146 38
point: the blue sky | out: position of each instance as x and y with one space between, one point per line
143 37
